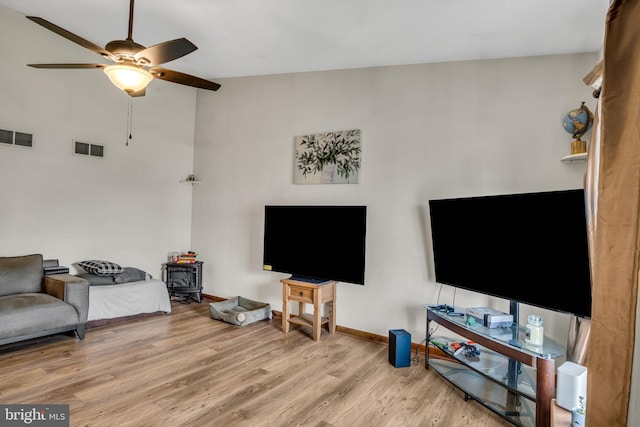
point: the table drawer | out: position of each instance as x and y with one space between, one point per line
300 293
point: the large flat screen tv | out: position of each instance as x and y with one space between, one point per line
530 248
316 243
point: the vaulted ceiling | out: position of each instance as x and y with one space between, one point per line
256 37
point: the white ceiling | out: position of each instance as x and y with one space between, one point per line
255 37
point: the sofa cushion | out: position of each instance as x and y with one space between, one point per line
95 280
131 274
34 312
100 267
21 274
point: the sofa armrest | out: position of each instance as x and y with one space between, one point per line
71 289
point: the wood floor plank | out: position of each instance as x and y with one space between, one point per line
186 369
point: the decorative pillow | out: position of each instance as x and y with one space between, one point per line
130 274
101 268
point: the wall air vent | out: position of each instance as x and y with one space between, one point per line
23 139
88 149
6 136
97 150
11 137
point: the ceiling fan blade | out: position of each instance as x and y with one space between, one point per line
72 37
77 66
183 79
165 52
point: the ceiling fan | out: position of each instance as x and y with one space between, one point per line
135 65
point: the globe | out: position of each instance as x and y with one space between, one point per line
578 121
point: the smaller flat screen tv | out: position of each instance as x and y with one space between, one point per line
530 248
316 243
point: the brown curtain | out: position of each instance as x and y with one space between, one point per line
580 328
617 232
579 331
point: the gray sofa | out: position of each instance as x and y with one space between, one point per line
34 305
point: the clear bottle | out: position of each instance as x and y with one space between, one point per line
534 334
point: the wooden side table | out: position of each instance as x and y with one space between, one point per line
309 293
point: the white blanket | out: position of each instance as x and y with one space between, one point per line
126 299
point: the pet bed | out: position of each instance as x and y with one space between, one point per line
239 311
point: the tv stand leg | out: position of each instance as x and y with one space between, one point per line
285 309
545 390
317 318
513 400
513 404
332 315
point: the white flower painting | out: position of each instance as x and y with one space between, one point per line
328 158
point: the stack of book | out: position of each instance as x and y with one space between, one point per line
51 266
187 257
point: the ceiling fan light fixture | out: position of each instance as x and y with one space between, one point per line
128 77
134 64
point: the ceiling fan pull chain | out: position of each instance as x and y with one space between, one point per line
129 120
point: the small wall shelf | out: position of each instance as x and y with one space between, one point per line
572 158
185 181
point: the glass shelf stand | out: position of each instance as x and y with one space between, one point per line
509 376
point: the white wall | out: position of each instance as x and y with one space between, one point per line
429 131
437 130
128 207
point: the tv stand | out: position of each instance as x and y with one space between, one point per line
309 293
509 377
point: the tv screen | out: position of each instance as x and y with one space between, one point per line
316 243
530 248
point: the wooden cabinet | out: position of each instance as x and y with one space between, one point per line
309 293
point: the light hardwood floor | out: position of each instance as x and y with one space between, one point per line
186 369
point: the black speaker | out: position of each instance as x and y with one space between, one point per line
399 348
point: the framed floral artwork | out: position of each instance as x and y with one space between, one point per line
328 158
